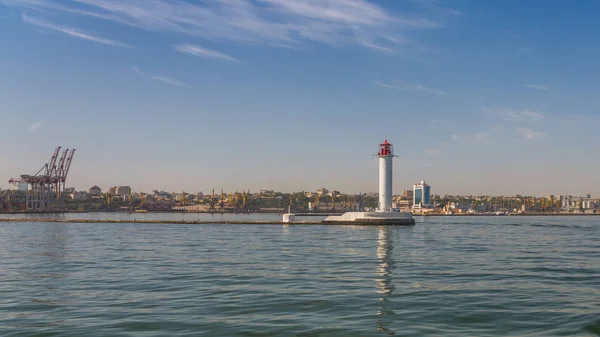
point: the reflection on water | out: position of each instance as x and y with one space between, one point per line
384 272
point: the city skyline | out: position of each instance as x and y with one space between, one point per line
477 98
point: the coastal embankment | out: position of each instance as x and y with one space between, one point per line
162 222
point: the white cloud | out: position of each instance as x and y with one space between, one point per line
72 32
275 22
410 88
530 134
348 11
163 79
170 81
433 5
518 116
34 126
536 86
203 52
475 138
138 71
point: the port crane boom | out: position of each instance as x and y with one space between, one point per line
45 189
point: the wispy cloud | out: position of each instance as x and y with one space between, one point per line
530 134
138 71
434 124
477 138
170 81
410 88
203 52
275 22
350 11
163 79
35 126
536 86
517 116
72 32
434 6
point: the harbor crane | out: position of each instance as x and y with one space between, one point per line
45 189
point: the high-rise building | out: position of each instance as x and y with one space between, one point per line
421 195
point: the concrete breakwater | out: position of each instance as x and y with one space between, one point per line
171 222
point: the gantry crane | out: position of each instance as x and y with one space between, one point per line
45 189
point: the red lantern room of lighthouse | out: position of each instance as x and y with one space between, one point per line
385 149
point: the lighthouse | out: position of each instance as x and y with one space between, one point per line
384 215
385 154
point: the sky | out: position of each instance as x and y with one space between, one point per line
478 97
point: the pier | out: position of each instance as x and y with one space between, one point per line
168 222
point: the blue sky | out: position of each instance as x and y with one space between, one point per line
478 97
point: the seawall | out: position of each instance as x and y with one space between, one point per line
172 222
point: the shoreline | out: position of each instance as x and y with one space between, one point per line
305 214
520 214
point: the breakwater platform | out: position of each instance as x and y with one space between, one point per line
167 222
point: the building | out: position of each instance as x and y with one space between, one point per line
405 200
322 191
335 194
403 204
160 204
458 207
421 195
95 191
79 196
588 204
266 192
121 191
565 202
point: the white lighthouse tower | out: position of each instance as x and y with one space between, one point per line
385 154
384 215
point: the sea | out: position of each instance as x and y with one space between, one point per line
445 276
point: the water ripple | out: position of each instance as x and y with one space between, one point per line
445 276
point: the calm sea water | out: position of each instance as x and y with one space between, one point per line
151 216
486 276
